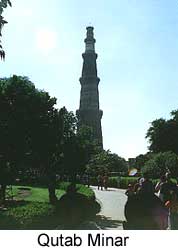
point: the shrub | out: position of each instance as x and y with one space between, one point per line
113 182
160 164
125 181
88 192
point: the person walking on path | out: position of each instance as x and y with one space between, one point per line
105 181
172 205
130 191
100 182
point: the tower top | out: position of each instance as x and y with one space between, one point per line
89 40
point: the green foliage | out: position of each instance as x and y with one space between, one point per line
77 145
30 125
163 134
125 181
34 193
30 129
29 215
34 211
34 134
105 161
160 164
113 182
3 5
88 192
141 159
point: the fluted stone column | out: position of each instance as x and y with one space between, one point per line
89 113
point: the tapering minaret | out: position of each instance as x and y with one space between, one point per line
89 113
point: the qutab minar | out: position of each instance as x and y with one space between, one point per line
89 113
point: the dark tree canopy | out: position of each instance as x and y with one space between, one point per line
163 134
36 135
30 128
161 163
77 145
141 159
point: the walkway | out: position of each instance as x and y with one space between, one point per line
112 208
112 211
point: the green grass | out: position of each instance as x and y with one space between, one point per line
88 192
36 194
32 209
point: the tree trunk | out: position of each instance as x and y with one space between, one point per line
3 193
52 194
52 188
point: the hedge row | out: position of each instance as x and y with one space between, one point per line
123 182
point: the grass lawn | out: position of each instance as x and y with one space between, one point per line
34 193
31 208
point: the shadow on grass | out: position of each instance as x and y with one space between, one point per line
28 215
15 203
76 208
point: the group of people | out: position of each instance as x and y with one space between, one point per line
159 203
102 180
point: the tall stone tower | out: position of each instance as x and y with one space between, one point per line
89 113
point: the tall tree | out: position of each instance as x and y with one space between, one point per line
107 161
77 145
30 130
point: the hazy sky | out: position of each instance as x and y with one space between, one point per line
137 46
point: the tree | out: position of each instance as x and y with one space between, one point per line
30 131
105 161
141 159
163 134
160 163
3 4
77 145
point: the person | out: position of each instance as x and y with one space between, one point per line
88 180
137 186
100 182
147 185
167 187
105 181
172 205
130 191
145 210
159 185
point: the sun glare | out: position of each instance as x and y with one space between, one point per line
46 40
